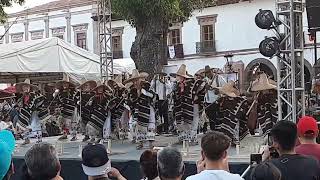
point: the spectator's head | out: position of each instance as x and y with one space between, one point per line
214 147
148 163
42 162
284 136
95 161
170 164
307 130
266 171
7 145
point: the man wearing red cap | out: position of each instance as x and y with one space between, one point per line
308 132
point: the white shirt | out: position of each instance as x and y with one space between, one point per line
210 97
215 175
161 89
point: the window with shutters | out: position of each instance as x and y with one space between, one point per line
174 37
116 43
117 46
82 40
207 35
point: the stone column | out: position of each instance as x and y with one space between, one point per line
26 30
68 19
47 27
6 27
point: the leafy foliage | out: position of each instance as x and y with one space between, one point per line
7 3
138 11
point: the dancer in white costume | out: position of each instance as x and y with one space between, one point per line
83 95
31 107
142 103
99 113
66 99
119 112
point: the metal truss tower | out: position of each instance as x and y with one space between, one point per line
290 71
105 39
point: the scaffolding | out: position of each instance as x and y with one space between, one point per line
290 71
105 39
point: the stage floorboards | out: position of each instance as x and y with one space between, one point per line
124 151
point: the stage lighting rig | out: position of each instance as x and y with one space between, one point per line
270 46
266 20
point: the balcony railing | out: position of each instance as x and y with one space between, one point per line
117 54
178 48
205 47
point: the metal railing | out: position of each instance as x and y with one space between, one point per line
117 54
205 47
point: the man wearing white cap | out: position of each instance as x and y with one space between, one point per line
96 163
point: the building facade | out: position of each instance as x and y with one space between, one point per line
205 39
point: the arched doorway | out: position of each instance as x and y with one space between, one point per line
265 66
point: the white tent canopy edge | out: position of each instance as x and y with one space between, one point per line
55 55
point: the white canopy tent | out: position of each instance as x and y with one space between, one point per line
52 55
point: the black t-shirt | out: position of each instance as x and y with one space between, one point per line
297 167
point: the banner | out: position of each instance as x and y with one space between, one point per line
172 52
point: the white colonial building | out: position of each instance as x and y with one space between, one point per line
205 39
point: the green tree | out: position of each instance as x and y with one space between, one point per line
7 3
152 18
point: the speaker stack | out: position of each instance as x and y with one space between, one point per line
313 13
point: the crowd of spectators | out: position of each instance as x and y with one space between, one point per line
295 162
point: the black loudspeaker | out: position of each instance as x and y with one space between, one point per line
313 13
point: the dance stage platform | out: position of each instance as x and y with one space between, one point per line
125 157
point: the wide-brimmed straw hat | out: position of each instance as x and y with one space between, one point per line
91 83
229 89
136 76
65 79
272 82
182 71
189 76
200 72
26 82
128 85
117 81
100 84
262 83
